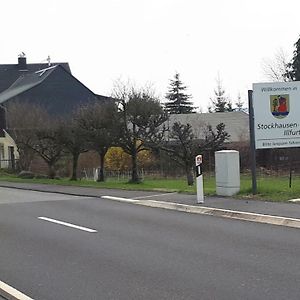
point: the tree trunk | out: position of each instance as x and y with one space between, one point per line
134 171
26 156
75 163
189 175
101 171
51 170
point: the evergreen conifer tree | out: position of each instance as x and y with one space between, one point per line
220 103
294 66
177 100
239 103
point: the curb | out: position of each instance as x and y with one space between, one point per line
50 192
217 212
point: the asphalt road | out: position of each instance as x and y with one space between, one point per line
140 252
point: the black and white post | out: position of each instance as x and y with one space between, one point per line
199 179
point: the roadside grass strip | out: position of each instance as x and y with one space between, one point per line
151 196
217 212
11 293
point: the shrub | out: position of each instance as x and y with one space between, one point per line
26 175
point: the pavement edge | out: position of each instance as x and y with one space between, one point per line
217 212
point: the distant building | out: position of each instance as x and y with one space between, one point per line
236 123
50 85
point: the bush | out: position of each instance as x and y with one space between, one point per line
26 175
41 176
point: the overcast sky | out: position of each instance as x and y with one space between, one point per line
147 41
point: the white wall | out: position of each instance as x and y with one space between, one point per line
5 143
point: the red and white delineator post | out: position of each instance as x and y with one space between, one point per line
199 179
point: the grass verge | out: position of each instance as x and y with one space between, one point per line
269 188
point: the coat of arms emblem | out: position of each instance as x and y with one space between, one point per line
279 106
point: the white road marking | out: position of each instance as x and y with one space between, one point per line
9 292
67 224
119 199
294 200
157 195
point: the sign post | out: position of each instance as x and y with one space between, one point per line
252 142
199 179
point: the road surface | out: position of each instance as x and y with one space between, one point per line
64 247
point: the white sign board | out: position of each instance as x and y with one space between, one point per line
276 108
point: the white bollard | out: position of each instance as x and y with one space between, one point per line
199 179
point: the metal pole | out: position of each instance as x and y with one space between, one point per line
290 180
291 168
252 142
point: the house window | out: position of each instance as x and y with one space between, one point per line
1 151
10 152
11 157
2 162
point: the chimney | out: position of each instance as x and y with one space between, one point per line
22 65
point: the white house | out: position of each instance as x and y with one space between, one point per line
8 150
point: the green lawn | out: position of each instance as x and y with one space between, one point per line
274 188
167 185
269 188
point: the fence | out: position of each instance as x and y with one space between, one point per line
8 164
91 174
276 171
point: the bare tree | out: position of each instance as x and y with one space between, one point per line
184 146
47 144
277 68
100 126
74 140
141 116
23 119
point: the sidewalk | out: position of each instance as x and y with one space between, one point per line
290 210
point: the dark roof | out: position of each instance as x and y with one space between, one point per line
29 80
25 82
103 98
9 73
17 80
